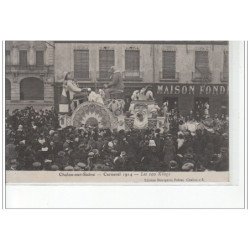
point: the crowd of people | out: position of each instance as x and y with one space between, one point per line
35 141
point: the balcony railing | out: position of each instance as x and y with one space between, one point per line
169 76
224 76
82 75
28 68
133 75
201 76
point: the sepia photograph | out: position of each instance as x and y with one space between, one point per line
126 123
125 111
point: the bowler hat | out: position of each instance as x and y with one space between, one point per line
123 153
189 156
173 164
37 165
188 166
81 164
54 168
77 168
61 153
91 154
95 151
69 168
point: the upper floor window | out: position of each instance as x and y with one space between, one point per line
169 65
106 60
201 62
225 62
23 58
81 64
132 60
225 72
132 65
7 57
39 58
202 72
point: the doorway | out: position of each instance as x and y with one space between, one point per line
200 106
173 105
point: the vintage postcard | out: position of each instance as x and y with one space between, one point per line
147 112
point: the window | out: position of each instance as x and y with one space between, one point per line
31 88
39 58
168 65
132 60
225 63
225 72
106 60
23 58
7 89
201 62
7 57
81 64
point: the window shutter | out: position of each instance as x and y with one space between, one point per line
225 62
106 60
39 58
7 57
132 60
201 61
169 64
81 64
23 58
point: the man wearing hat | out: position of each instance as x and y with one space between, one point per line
120 161
115 88
173 166
19 135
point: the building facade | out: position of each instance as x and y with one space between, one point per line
183 73
180 72
29 74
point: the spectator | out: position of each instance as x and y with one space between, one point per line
35 141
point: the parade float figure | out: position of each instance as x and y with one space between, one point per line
165 109
104 108
115 88
114 92
144 110
116 106
88 107
70 93
149 94
135 95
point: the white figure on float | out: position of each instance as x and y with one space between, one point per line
145 94
135 95
165 109
116 106
153 110
69 91
149 94
94 97
142 94
102 93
